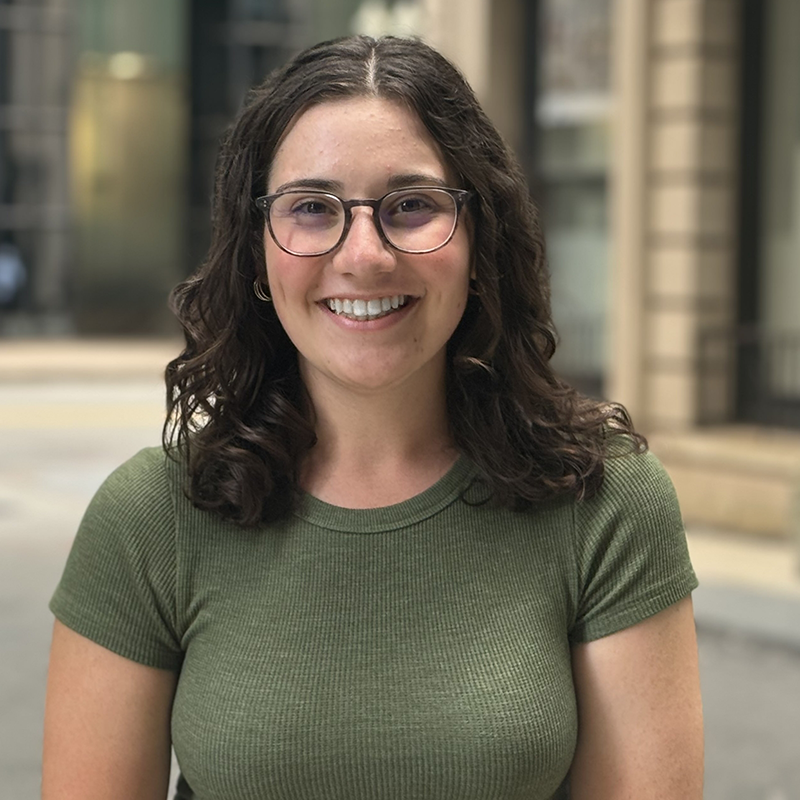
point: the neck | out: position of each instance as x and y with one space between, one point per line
377 449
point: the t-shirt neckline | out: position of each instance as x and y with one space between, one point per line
387 518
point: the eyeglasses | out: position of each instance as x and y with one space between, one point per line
414 220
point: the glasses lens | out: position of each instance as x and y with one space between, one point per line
306 223
417 220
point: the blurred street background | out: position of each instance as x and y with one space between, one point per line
661 139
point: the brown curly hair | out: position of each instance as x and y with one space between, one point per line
238 411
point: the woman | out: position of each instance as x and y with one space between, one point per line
387 553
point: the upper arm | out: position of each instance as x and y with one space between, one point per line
107 724
640 731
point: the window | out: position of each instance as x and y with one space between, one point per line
769 337
572 116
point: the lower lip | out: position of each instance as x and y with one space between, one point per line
371 324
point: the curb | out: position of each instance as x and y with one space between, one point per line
79 360
770 618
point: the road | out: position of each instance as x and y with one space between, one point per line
58 442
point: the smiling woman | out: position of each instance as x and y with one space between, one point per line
362 146
385 552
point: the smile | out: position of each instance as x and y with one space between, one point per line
363 310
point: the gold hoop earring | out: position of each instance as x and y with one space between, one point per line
259 292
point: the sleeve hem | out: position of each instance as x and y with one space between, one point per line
634 613
121 644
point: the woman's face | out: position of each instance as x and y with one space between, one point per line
364 148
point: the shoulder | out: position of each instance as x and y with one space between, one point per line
630 547
147 477
636 502
636 484
138 499
148 465
118 587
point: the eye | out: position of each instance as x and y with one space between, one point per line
414 208
306 210
414 203
411 204
314 206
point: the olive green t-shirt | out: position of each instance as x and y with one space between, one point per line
415 652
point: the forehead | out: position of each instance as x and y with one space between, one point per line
355 141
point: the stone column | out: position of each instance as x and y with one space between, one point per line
674 201
486 40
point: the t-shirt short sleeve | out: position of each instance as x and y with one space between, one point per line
119 583
630 546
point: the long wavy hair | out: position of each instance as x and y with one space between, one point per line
239 414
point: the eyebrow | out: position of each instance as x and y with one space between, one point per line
414 179
320 184
394 182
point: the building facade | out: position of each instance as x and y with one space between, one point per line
668 175
36 60
110 116
661 138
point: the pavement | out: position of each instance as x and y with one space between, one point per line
749 586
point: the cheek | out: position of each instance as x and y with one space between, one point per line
459 277
272 254
458 312
289 277
456 295
460 288
287 296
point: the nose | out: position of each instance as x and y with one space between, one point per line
363 249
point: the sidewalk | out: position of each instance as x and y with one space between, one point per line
39 360
749 585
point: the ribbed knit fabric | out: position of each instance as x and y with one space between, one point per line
420 651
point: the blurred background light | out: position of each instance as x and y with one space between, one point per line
126 66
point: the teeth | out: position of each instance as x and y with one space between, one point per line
366 309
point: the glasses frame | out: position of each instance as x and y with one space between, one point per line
459 196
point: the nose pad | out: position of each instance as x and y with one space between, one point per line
364 246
